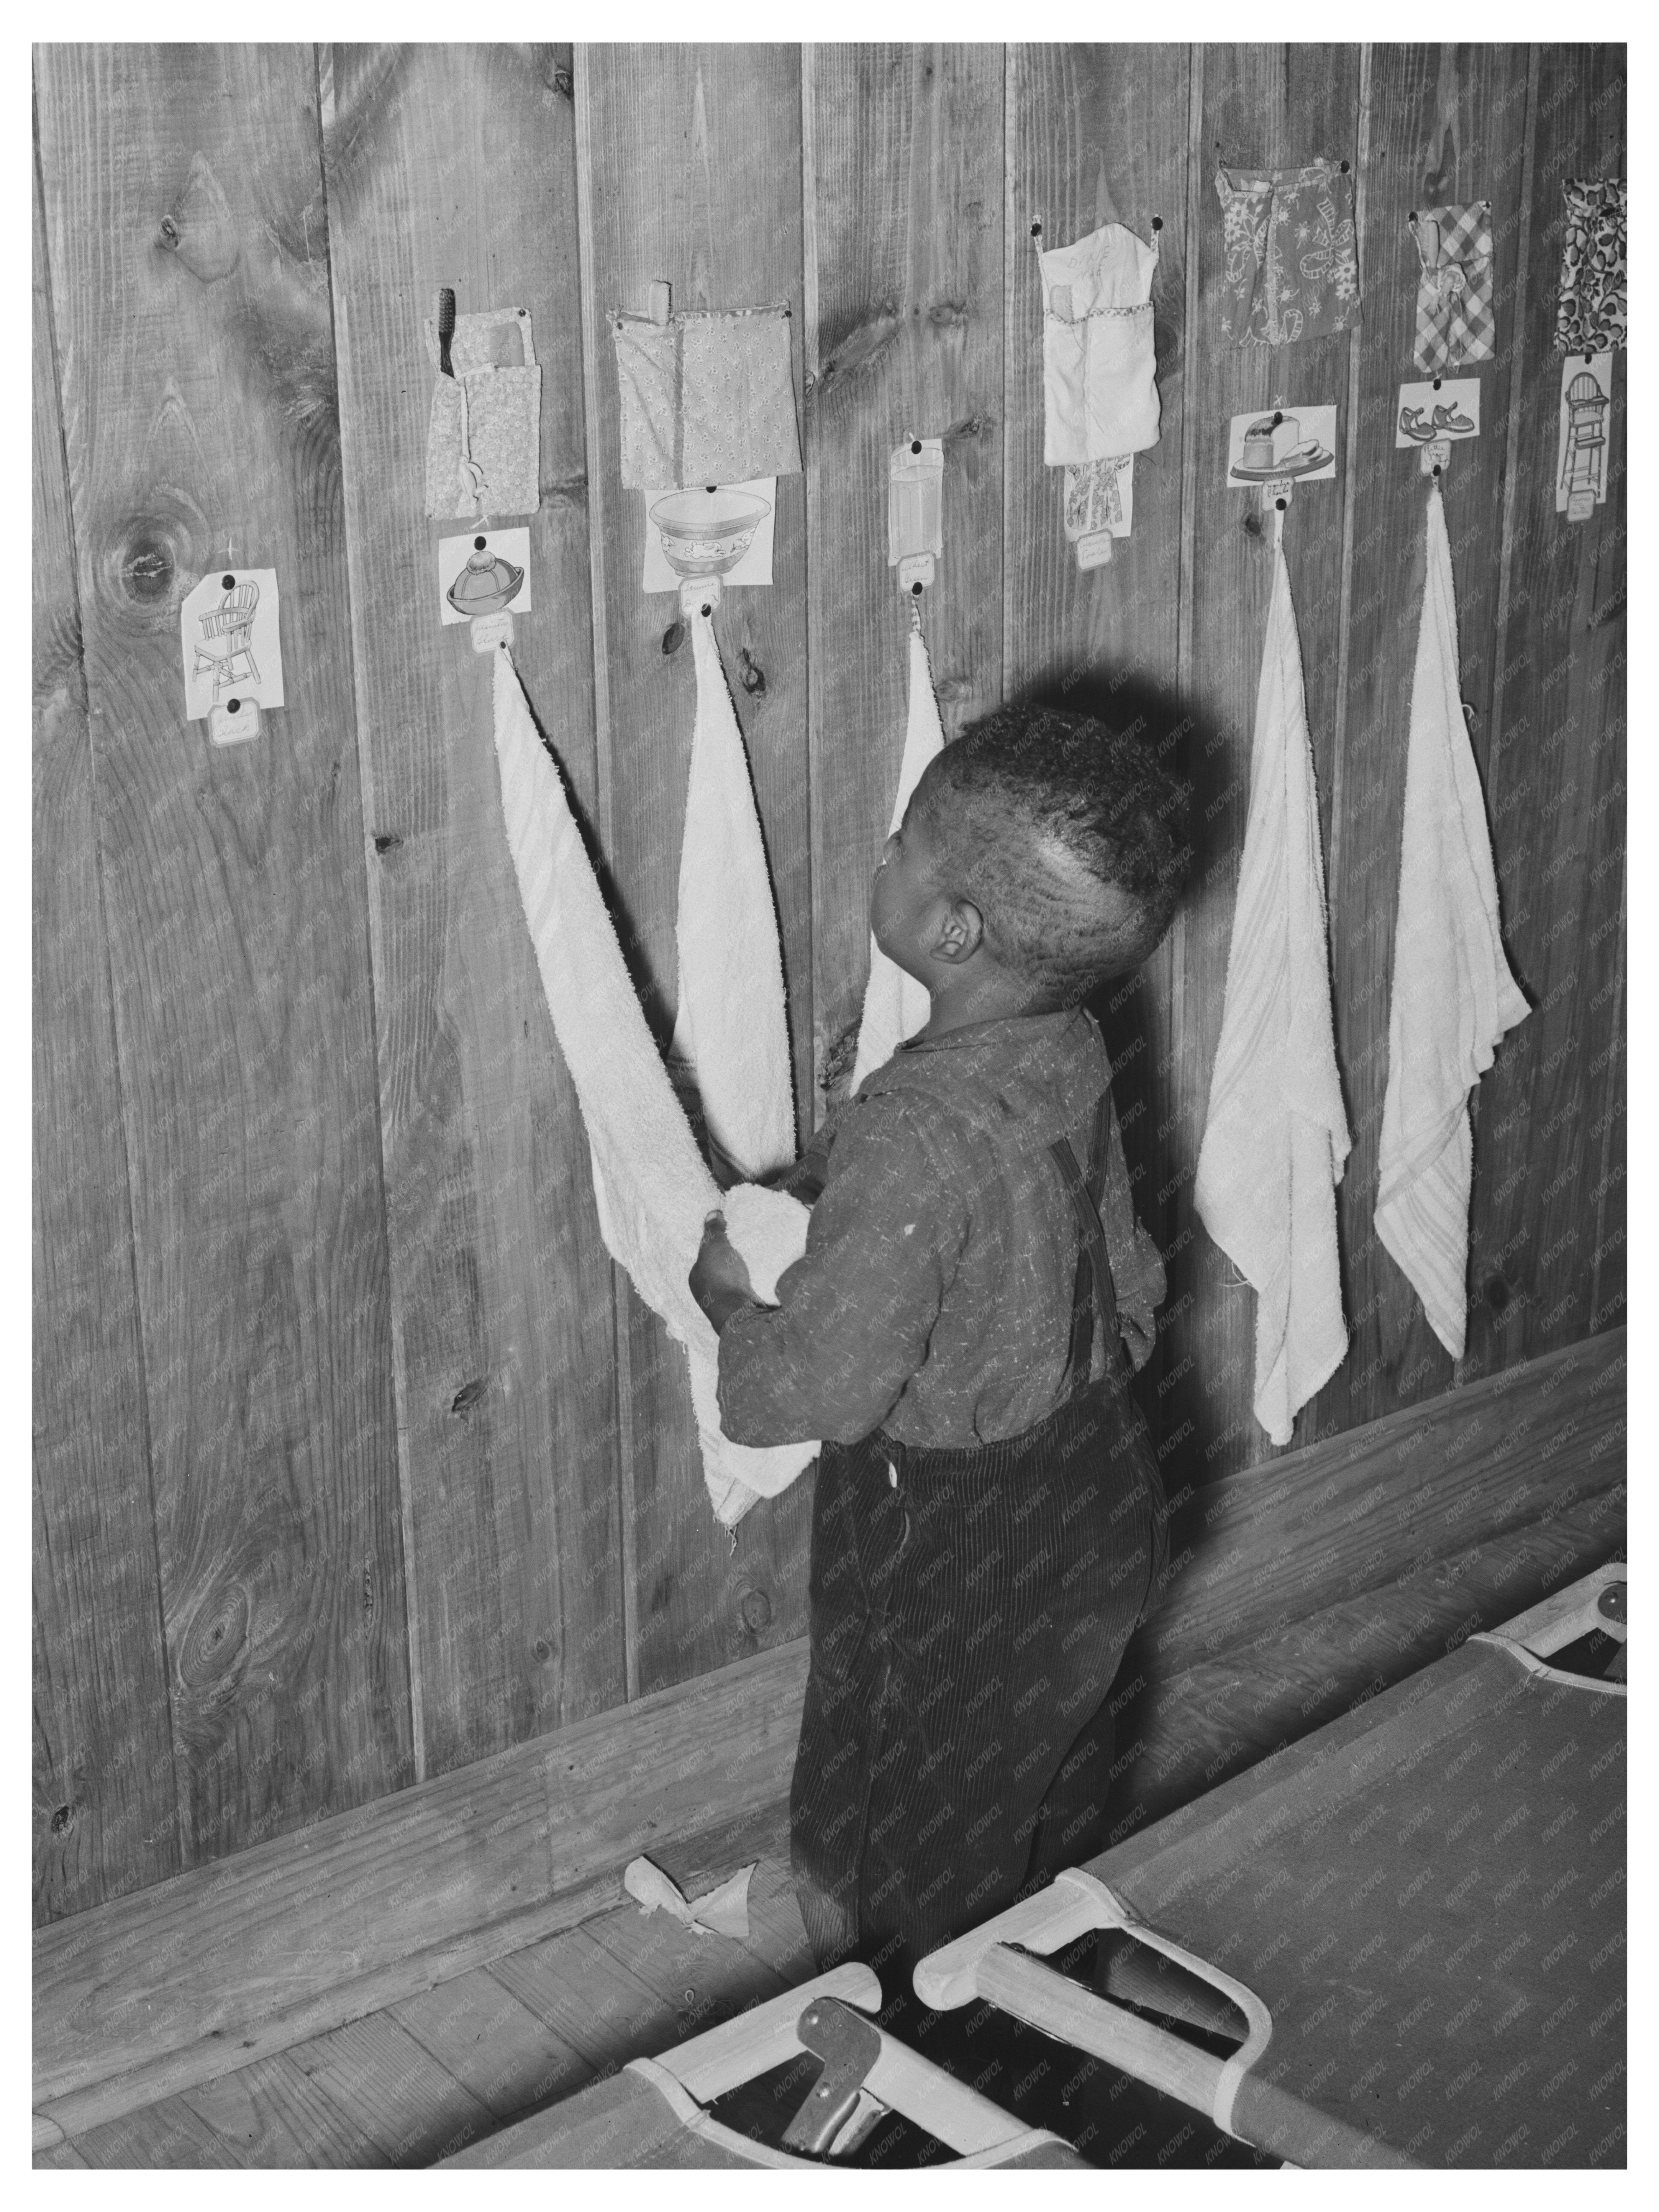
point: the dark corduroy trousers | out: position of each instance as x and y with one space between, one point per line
968 1611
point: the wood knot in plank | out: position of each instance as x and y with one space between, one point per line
198 227
860 346
468 1394
214 1653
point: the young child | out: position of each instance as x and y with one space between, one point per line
987 1526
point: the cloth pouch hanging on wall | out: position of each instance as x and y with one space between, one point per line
1591 313
1455 321
1453 995
651 1189
706 398
483 434
1292 255
1099 384
1276 1137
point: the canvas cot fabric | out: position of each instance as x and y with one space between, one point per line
1591 313
1456 322
968 1611
1292 254
706 398
935 1293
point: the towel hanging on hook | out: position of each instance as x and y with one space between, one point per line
896 1005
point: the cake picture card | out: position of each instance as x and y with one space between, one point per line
1297 442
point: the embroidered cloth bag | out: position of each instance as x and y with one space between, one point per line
1099 386
1455 318
484 435
1292 257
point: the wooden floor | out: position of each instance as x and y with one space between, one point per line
417 2081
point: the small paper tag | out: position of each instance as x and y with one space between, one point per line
1297 442
483 572
1437 407
231 643
1581 444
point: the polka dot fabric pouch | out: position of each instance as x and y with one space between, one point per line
1590 314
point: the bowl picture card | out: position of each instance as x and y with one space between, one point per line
1274 442
712 530
483 572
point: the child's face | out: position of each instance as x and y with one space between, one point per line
906 904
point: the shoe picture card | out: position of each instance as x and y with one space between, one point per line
1437 407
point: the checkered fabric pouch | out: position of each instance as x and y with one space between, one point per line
1456 322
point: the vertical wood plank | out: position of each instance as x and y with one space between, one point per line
106 1810
1266 107
1099 133
200 427
695 155
1555 792
457 165
904 338
1447 124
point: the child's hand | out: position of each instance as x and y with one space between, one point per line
718 1280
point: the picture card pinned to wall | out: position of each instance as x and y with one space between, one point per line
714 525
1581 449
1437 407
1099 506
483 572
1282 442
232 658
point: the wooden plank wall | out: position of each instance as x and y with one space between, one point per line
356 1461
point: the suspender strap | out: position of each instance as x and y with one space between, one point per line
1127 1275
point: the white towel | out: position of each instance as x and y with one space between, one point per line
730 1028
651 1186
896 1004
1277 1136
1453 995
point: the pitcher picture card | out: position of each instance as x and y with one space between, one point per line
1437 407
1581 451
483 572
709 530
1282 442
232 645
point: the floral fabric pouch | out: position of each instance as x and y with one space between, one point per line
1292 257
1099 383
1590 314
484 431
1456 322
706 398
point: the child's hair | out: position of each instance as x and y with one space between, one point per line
1064 831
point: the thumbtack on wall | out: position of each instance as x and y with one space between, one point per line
233 654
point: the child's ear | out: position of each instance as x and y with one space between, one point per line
961 933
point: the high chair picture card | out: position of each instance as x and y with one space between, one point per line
1581 450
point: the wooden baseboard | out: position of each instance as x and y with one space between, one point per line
1302 1582
150 1995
